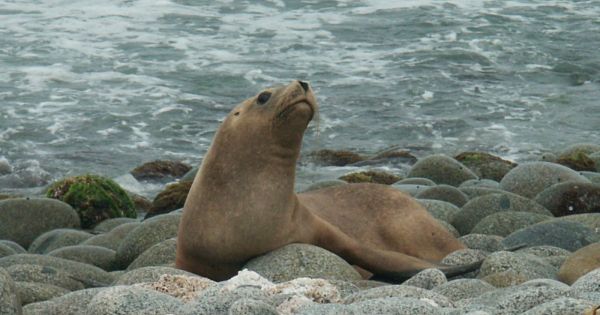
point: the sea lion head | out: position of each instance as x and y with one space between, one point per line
276 115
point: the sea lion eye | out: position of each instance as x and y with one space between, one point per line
263 97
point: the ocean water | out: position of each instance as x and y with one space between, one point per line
104 86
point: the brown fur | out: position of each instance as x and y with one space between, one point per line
242 202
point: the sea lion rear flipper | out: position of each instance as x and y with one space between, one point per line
449 271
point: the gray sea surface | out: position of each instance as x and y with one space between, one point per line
104 86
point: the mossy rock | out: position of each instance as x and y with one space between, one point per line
335 157
486 165
95 198
171 198
402 155
371 177
577 160
159 169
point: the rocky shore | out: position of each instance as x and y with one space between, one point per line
535 225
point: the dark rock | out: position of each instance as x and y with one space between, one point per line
160 170
94 255
570 198
485 165
439 209
9 299
159 254
568 235
335 158
578 161
395 158
591 220
442 170
377 177
31 292
530 179
479 208
579 263
112 239
587 148
150 232
20 218
95 198
190 175
506 222
58 238
172 198
89 275
302 260
445 193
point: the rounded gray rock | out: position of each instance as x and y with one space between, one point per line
564 234
561 306
20 218
94 255
570 198
530 179
215 301
251 307
109 224
302 260
15 246
160 254
460 289
57 238
73 303
6 250
439 209
502 269
393 305
398 291
481 183
442 169
150 232
464 256
479 208
131 300
89 275
9 298
474 192
112 239
590 282
44 274
427 279
506 222
488 243
412 190
444 193
416 181
31 292
149 274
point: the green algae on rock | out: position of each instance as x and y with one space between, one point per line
486 165
335 158
95 198
171 198
377 177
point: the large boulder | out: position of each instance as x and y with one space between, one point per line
302 260
95 198
486 165
21 218
442 169
564 234
530 179
171 198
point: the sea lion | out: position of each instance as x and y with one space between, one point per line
242 202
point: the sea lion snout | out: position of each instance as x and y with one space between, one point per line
304 85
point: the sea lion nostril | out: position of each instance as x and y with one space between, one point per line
304 85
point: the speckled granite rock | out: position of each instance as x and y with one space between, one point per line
131 300
460 289
302 260
98 256
427 279
445 193
150 232
31 292
9 298
109 224
113 238
398 291
160 254
561 306
148 274
568 235
506 222
439 209
488 243
74 303
503 269
479 208
58 238
44 274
